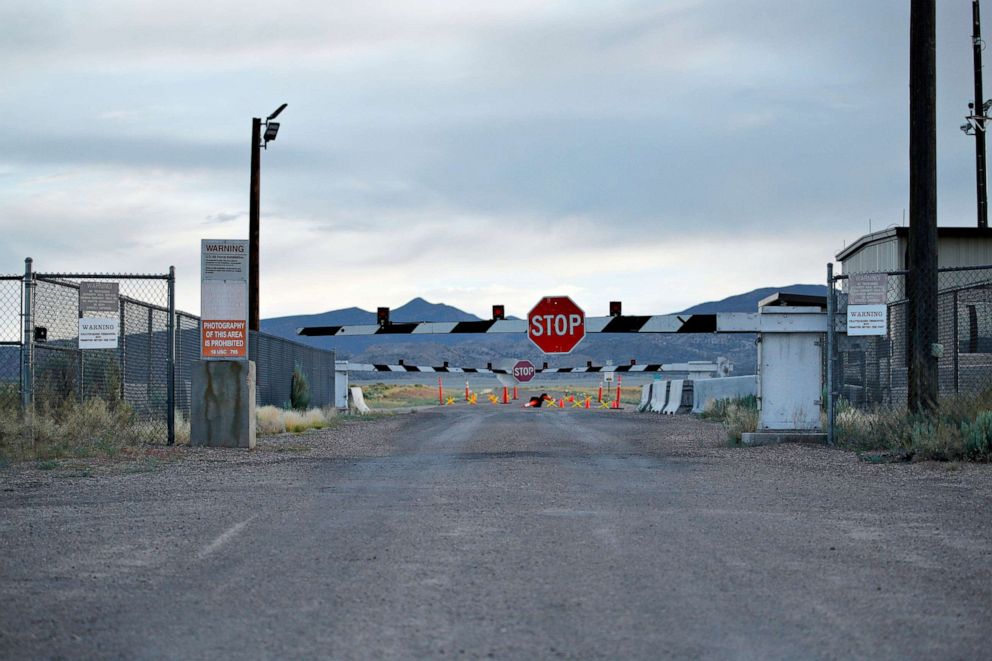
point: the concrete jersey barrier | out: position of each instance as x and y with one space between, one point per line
357 401
659 392
674 397
645 398
731 387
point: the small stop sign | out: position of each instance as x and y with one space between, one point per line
523 371
556 324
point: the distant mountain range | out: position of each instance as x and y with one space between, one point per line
476 350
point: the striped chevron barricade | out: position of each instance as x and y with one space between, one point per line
728 322
445 369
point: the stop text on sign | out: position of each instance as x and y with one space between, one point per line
556 324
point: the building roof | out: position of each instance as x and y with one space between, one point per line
889 233
795 300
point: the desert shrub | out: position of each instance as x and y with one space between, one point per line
716 409
977 437
960 429
740 418
299 392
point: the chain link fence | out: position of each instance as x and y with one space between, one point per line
135 390
873 371
11 332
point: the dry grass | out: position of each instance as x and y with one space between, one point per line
271 420
93 428
739 415
386 396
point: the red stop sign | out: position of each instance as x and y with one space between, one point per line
556 324
523 371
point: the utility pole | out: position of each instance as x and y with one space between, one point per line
978 112
256 159
921 280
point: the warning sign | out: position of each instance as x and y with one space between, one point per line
867 319
225 339
224 299
98 333
867 313
99 324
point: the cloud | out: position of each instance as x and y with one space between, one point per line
661 153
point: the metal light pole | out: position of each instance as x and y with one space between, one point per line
978 116
258 142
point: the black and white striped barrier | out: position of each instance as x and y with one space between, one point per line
730 322
593 369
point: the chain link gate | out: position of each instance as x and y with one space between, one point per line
871 372
129 389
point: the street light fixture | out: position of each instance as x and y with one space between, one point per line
258 142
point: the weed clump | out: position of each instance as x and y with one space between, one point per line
739 415
960 430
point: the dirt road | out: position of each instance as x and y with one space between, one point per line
498 533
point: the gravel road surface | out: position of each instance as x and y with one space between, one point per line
491 532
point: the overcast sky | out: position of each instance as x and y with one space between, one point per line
662 153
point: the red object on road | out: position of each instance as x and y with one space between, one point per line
556 324
600 398
616 404
536 401
506 397
440 392
515 398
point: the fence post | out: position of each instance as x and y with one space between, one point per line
170 375
831 339
27 351
122 343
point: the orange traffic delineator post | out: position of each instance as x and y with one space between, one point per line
588 401
616 404
466 390
600 397
440 392
515 393
506 395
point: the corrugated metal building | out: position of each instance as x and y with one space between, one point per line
886 250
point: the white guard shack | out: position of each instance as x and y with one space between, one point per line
790 363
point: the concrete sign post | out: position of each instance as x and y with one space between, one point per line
224 300
99 315
223 382
867 312
556 324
